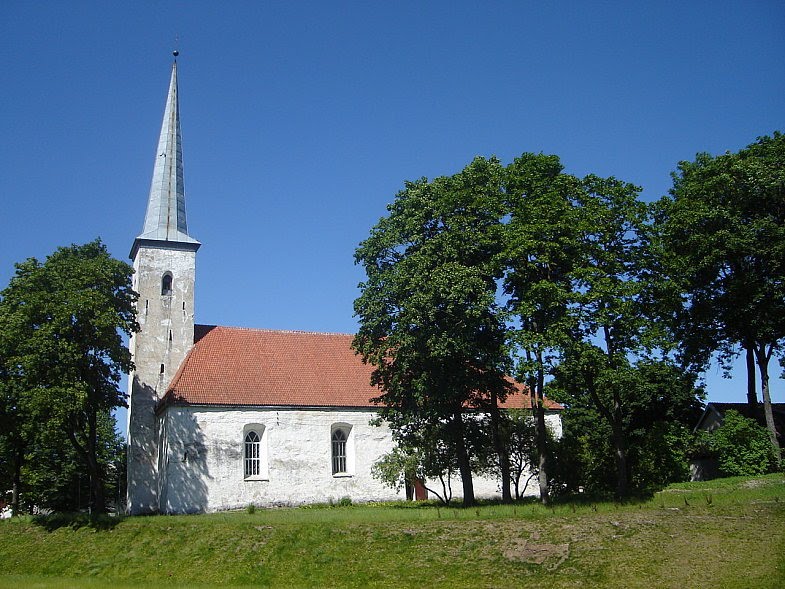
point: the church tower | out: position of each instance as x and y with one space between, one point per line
164 260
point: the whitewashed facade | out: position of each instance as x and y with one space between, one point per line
202 459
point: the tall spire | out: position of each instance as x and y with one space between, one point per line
165 217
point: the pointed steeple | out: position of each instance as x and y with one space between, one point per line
165 217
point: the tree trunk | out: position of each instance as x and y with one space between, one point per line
18 458
463 459
501 449
542 454
617 423
620 448
89 455
620 456
96 479
752 393
538 406
763 365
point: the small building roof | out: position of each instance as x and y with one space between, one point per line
256 367
714 414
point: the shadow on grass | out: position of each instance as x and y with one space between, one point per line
634 498
573 500
55 521
566 500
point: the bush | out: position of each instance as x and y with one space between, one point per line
659 456
583 458
741 446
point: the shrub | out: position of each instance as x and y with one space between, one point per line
659 456
584 458
741 446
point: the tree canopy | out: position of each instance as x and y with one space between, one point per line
722 231
542 249
62 324
576 287
505 270
429 320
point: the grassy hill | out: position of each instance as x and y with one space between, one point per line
724 533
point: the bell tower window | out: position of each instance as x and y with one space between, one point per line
166 284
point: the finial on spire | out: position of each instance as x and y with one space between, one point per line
175 53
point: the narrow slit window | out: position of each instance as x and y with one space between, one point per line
162 369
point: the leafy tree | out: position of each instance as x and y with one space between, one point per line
16 430
54 475
429 321
609 318
660 421
741 446
573 259
61 335
397 468
541 254
583 455
722 232
581 287
659 455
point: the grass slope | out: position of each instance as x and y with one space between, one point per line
726 533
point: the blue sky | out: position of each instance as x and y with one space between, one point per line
301 121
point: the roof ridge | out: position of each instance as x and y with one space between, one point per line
268 330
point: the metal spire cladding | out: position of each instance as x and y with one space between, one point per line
165 217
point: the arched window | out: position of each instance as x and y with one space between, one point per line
253 455
166 284
339 451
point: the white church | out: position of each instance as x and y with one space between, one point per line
223 417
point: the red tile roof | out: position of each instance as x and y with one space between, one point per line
236 366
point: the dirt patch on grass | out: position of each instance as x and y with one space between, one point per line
550 556
755 484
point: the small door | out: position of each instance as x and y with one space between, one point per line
420 492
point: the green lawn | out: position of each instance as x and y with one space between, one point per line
727 533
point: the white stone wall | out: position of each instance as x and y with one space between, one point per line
202 465
165 337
